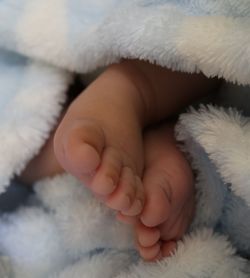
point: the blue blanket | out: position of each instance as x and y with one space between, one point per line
63 231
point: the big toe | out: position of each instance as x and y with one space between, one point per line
79 147
158 198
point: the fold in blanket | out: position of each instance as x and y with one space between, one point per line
187 35
42 45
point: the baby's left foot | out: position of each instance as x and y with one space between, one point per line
169 190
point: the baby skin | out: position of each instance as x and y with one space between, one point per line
100 141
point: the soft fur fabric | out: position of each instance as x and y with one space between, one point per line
63 231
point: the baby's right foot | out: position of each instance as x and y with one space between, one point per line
99 141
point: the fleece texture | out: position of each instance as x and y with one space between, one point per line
63 231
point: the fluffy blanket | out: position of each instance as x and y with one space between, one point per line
62 231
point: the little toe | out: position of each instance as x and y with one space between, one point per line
123 197
108 174
146 237
157 206
168 248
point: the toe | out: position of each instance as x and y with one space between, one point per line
157 206
131 220
168 248
146 236
79 147
137 205
150 253
107 176
123 196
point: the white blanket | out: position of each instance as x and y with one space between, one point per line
63 231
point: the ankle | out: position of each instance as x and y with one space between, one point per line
141 91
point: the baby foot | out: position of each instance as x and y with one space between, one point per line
99 141
169 191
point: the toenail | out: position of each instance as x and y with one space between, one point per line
138 205
109 186
104 188
136 209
